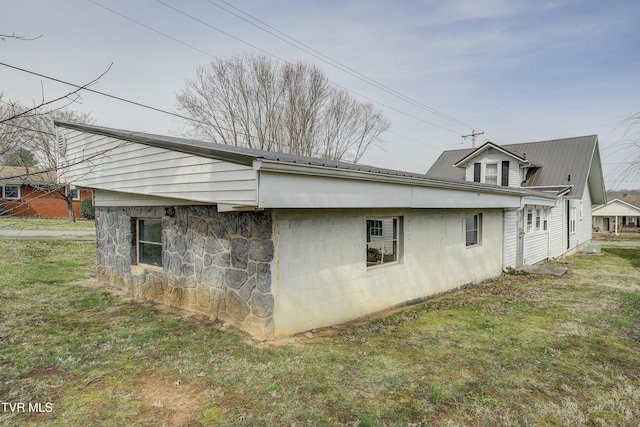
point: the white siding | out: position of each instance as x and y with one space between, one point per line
584 224
101 162
320 269
557 229
510 238
498 158
536 241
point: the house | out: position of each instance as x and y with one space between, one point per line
277 244
35 192
620 214
567 169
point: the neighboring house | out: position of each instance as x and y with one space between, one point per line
568 169
30 192
277 244
618 215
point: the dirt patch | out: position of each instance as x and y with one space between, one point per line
172 402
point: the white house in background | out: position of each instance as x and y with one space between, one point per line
621 214
568 169
277 244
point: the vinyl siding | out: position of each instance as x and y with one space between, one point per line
510 238
557 229
107 163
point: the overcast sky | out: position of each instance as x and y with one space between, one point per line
520 71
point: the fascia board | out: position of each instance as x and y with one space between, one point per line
303 186
320 171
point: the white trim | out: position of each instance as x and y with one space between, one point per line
4 194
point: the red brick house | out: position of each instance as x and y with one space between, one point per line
35 192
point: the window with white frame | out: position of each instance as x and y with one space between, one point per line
538 219
472 229
529 220
545 216
580 210
491 174
11 192
375 227
382 240
149 241
572 220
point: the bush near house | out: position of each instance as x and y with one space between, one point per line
87 209
518 350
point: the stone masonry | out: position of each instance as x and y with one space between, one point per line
214 263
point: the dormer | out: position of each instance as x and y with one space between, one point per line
492 164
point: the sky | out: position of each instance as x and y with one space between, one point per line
517 70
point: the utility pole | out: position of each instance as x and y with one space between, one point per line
473 135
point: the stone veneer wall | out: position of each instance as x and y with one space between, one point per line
214 263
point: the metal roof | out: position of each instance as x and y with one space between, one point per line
234 154
247 156
562 162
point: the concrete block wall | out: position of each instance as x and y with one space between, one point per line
321 277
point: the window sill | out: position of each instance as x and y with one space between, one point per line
379 266
138 269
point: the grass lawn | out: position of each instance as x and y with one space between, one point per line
520 350
18 223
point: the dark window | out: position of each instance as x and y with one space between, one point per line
150 242
505 173
476 172
11 192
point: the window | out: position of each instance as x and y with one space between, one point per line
11 192
75 193
538 219
580 210
472 226
529 220
491 174
375 227
382 241
150 242
572 221
545 214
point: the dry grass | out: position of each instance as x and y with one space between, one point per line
516 351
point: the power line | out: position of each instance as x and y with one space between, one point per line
254 47
328 60
138 104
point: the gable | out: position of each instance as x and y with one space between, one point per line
617 207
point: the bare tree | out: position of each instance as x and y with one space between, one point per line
631 144
27 143
254 101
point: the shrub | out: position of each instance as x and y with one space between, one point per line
87 209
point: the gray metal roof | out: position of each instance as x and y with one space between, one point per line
234 154
569 161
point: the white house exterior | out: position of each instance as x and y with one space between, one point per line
622 214
541 228
277 244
